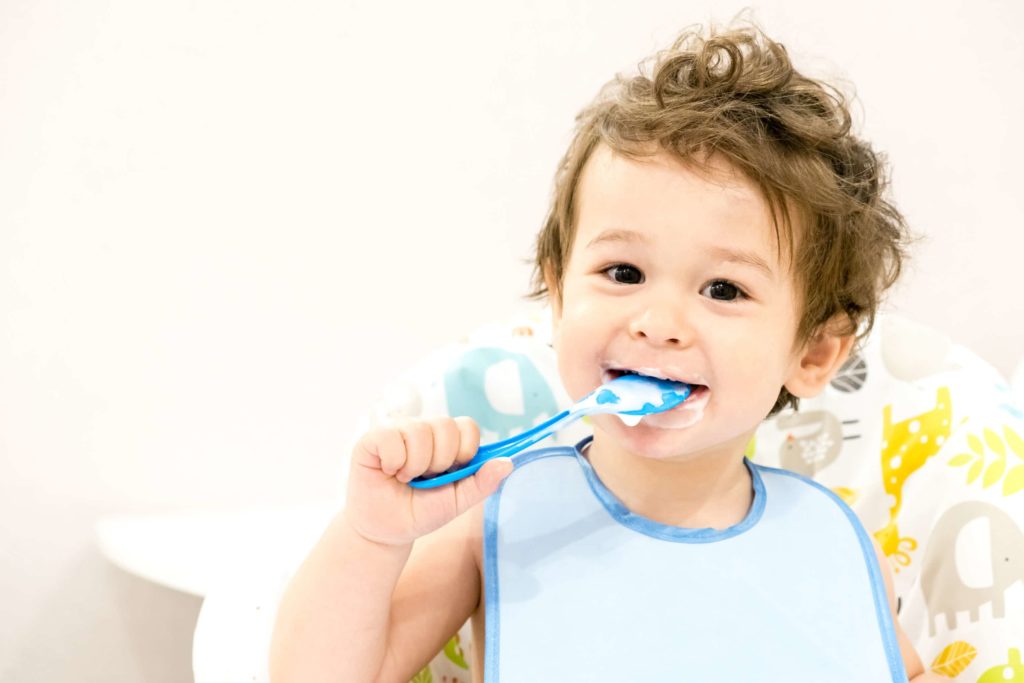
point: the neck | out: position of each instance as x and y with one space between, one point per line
707 490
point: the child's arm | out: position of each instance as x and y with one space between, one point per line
911 661
366 604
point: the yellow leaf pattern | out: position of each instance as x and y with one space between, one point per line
994 442
1016 443
954 659
994 471
1014 481
975 470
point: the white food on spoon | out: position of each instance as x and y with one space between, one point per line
682 416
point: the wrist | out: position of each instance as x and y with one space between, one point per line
350 528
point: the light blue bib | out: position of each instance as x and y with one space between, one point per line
580 589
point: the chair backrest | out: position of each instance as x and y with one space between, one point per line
921 437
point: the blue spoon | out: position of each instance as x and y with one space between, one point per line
626 395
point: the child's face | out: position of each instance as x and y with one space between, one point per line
683 298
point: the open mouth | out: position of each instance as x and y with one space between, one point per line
698 392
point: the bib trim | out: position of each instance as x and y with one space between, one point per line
668 532
885 616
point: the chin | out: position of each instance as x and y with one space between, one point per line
647 440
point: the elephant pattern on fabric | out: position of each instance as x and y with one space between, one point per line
465 387
945 591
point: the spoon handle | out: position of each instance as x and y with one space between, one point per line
499 449
500 445
526 439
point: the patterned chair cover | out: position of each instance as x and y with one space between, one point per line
920 436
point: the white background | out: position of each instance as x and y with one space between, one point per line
224 224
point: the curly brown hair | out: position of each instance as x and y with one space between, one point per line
735 92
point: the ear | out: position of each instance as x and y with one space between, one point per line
819 360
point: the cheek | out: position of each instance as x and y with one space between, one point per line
582 319
756 365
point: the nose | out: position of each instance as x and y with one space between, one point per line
663 322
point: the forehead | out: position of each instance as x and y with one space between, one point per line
660 195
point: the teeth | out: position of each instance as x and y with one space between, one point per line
645 372
650 373
656 373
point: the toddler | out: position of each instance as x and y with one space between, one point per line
715 222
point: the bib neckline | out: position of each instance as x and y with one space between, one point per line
668 532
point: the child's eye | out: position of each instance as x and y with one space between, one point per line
723 290
633 277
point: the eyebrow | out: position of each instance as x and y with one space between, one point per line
618 235
740 256
747 258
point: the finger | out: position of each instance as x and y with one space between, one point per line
381 448
419 445
472 490
446 444
469 438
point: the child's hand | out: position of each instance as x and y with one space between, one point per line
382 507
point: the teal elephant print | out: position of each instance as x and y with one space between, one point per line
945 592
465 387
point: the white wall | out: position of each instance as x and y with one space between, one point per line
222 223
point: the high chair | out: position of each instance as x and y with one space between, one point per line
922 438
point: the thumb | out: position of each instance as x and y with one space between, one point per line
472 490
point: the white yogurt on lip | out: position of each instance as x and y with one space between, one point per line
630 420
682 416
680 419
